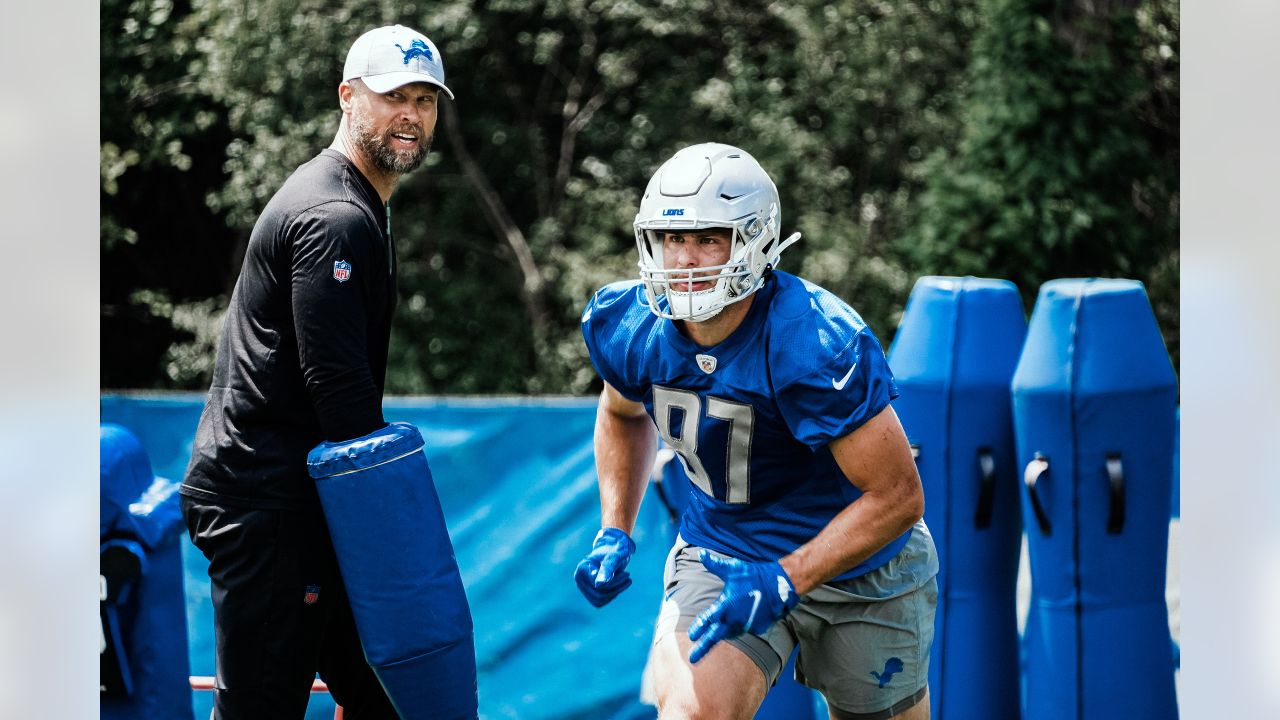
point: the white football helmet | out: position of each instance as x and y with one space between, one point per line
704 186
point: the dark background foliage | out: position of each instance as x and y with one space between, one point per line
1022 139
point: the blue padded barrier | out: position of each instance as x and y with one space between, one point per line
953 358
1094 398
399 570
144 660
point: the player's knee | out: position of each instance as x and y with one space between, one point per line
679 701
688 711
673 703
692 704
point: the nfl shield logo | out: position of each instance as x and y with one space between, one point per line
707 363
342 271
312 594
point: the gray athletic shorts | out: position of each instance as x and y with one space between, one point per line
864 643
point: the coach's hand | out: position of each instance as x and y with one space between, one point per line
602 573
755 596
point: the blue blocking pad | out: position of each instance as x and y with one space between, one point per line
953 358
399 570
144 670
1094 401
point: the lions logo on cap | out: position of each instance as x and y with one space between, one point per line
417 48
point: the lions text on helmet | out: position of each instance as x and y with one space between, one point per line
706 194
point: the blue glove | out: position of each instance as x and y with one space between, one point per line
602 575
755 596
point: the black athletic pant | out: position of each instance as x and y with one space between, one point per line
280 615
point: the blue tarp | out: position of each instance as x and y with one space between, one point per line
516 479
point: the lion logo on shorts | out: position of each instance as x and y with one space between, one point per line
892 666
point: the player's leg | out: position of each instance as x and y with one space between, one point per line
731 681
265 646
919 711
885 631
866 641
725 684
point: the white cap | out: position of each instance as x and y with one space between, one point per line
389 57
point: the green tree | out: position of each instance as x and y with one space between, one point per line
1068 164
900 145
163 249
565 108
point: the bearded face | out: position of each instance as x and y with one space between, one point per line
398 149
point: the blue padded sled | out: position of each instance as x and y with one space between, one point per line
953 358
399 570
1094 398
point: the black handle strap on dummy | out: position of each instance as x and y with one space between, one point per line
1115 481
1038 466
986 488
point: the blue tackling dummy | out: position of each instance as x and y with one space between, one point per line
399 570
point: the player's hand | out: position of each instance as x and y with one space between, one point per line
755 596
602 573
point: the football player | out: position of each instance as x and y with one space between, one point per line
804 527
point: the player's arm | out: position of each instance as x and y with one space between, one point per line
625 441
876 458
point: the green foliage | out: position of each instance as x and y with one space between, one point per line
592 97
1068 165
564 110
162 145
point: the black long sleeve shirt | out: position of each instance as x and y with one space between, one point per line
303 352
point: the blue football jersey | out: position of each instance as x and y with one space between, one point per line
751 417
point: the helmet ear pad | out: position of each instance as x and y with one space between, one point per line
704 186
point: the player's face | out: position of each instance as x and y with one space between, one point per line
394 128
686 249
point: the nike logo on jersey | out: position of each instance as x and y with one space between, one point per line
839 384
784 588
